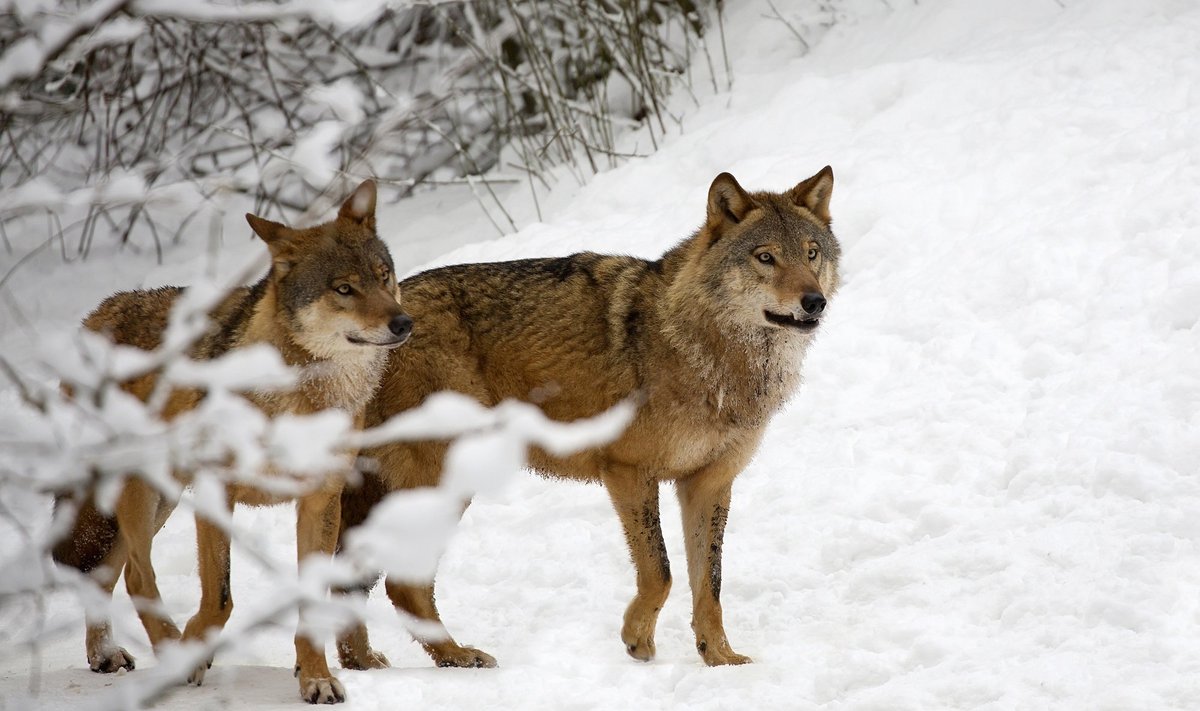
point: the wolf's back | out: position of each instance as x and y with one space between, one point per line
580 296
134 318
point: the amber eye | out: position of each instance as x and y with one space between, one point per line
386 275
344 289
812 254
766 258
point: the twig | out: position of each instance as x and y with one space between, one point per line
778 16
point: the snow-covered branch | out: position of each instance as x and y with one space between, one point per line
186 101
97 437
27 57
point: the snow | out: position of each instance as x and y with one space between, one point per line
986 494
313 153
25 57
342 98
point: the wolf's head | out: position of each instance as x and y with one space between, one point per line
769 260
335 286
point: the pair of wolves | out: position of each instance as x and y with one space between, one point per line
709 340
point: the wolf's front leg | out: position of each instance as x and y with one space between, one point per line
704 503
635 497
317 519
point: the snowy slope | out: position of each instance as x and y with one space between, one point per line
987 495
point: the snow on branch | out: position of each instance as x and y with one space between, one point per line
406 534
291 101
28 56
338 13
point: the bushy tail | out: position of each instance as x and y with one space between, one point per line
91 539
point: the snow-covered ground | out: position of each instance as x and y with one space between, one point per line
987 494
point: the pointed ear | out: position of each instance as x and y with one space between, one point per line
814 194
276 236
727 202
269 231
360 206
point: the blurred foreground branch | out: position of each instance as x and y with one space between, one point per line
99 437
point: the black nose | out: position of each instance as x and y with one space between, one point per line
401 325
813 303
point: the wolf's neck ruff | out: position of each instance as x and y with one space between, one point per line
333 372
732 354
346 383
751 371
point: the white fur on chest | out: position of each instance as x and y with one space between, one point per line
740 402
346 382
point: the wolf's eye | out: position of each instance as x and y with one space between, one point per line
385 275
766 258
344 289
812 254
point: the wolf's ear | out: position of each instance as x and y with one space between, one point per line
727 201
271 232
277 237
360 206
814 194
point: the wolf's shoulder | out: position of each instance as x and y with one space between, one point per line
135 318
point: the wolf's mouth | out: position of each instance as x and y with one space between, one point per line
385 344
808 323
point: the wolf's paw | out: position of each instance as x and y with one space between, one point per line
368 660
640 649
460 656
196 678
637 631
638 635
322 690
110 660
722 655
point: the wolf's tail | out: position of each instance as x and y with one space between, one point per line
91 539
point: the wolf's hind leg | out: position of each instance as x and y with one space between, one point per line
139 516
94 547
417 600
704 504
216 599
354 646
103 655
635 497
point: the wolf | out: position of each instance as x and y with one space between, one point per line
330 304
709 340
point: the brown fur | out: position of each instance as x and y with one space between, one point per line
337 341
687 335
